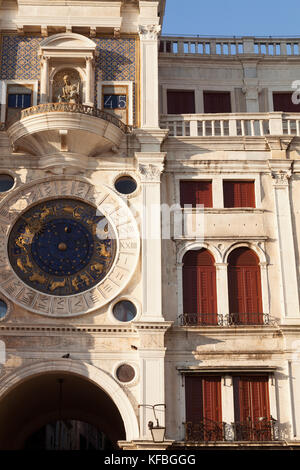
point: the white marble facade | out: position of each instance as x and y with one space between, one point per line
73 150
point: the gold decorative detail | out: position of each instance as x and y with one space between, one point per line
20 265
38 277
102 251
75 283
85 279
97 267
56 284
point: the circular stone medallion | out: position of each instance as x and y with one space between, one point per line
66 247
54 247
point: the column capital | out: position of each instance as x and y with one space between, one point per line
149 32
150 171
281 174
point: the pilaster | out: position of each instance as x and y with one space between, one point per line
149 75
281 173
150 167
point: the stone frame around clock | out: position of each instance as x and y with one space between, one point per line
110 205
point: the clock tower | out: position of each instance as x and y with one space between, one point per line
81 326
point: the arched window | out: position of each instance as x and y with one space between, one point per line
244 284
199 288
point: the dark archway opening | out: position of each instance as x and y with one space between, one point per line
58 400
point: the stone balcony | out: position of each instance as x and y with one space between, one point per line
219 224
226 47
232 124
74 129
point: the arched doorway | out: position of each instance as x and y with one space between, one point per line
244 285
199 287
52 398
30 399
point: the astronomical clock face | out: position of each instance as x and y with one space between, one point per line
66 247
62 247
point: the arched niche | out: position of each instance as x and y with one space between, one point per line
67 51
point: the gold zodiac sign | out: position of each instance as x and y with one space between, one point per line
20 265
38 277
97 267
102 251
75 283
56 284
45 213
85 279
25 239
73 210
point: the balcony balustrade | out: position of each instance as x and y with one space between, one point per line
232 319
231 124
260 430
230 46
75 129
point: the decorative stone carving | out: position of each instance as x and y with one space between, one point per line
281 178
150 172
149 32
126 257
67 87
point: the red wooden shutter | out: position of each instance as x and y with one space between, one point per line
217 102
193 399
239 194
196 192
199 286
212 404
190 289
254 398
180 102
283 102
244 285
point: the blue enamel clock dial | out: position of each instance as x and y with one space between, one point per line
62 247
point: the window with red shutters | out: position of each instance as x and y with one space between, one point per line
217 102
239 193
180 102
199 288
252 408
196 192
244 285
203 408
283 102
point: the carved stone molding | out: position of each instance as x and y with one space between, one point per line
281 178
149 32
150 166
150 172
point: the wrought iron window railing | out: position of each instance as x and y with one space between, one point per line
206 430
232 319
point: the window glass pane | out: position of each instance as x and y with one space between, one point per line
124 311
3 309
6 183
125 185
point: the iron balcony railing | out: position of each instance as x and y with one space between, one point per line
70 108
206 430
232 319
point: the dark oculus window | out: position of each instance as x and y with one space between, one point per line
181 102
6 183
239 193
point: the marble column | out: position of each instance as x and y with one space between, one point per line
281 173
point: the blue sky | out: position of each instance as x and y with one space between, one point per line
233 17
